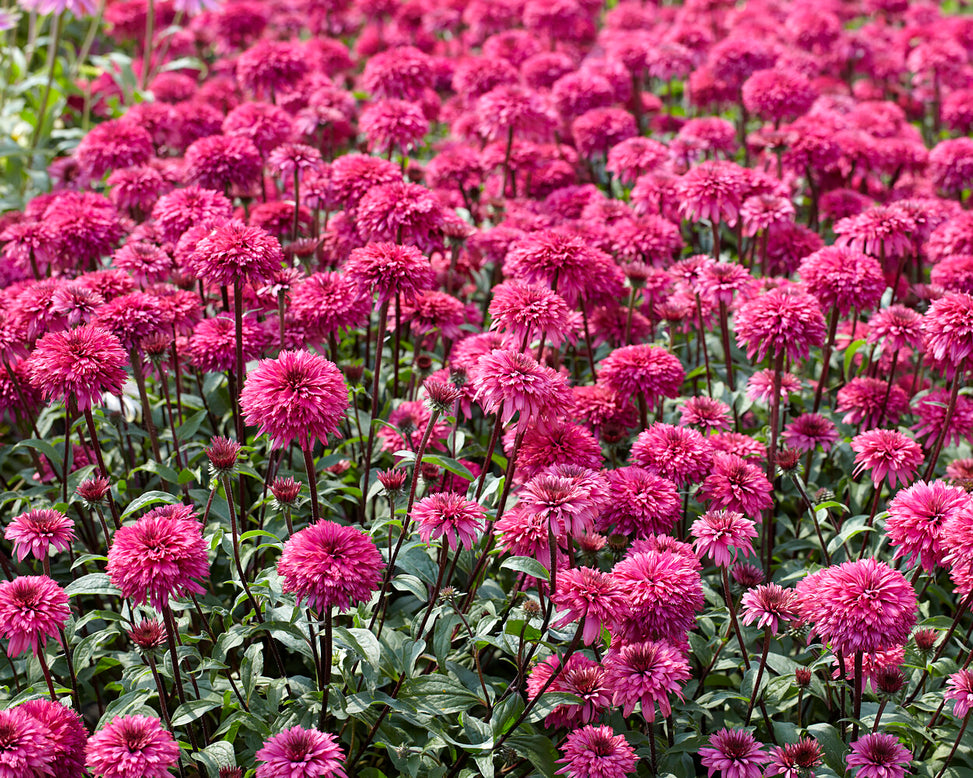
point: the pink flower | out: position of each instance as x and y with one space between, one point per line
678 453
530 311
869 402
641 369
508 382
68 736
878 755
734 754
589 594
760 386
222 162
325 303
393 124
32 609
237 253
568 502
916 519
132 747
177 212
387 270
947 327
36 531
642 504
450 516
159 556
27 745
886 453
645 673
879 231
722 534
705 412
330 565
808 431
401 212
959 689
736 484
780 322
777 94
400 73
597 752
769 604
271 66
858 606
843 278
713 191
78 366
796 760
581 677
111 145
295 752
297 396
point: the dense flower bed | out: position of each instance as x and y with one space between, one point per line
492 387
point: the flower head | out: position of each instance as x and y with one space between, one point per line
886 453
721 535
330 565
32 608
916 517
531 310
301 753
449 515
36 531
734 754
237 253
66 732
297 396
782 321
680 454
878 755
947 327
808 431
858 606
509 382
597 752
796 760
388 270
132 747
646 673
589 594
769 604
959 689
642 503
641 369
843 278
736 484
79 365
27 744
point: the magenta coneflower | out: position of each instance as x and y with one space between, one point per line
597 752
782 321
324 303
870 402
132 747
213 340
552 441
32 609
569 506
959 689
769 604
584 592
300 752
858 606
78 366
450 516
665 592
808 431
736 484
582 677
648 371
843 278
222 162
401 73
530 310
796 760
159 556
721 535
235 252
734 754
707 413
36 531
886 453
635 157
387 270
642 503
760 386
878 755
393 125
27 745
680 454
509 382
713 191
68 735
330 565
916 517
947 328
297 396
402 212
645 673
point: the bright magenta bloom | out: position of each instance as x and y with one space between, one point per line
27 745
959 689
451 516
330 565
646 673
237 253
159 556
301 753
843 278
641 369
769 604
722 535
512 382
734 754
582 677
67 735
597 752
590 594
297 396
531 311
948 327
387 270
858 606
916 518
132 747
78 366
642 504
736 484
808 431
782 321
32 607
886 453
878 755
796 760
36 531
680 454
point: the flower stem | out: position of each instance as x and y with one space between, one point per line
950 410
56 24
311 481
826 358
760 675
326 645
952 752
383 315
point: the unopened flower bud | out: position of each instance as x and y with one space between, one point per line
222 453
429 471
889 679
748 576
93 490
787 459
424 365
803 676
441 396
925 639
392 482
354 373
532 607
231 772
285 490
147 634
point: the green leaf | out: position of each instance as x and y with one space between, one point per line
850 354
438 695
93 583
528 565
831 742
539 750
44 447
149 498
190 426
362 642
214 756
192 710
